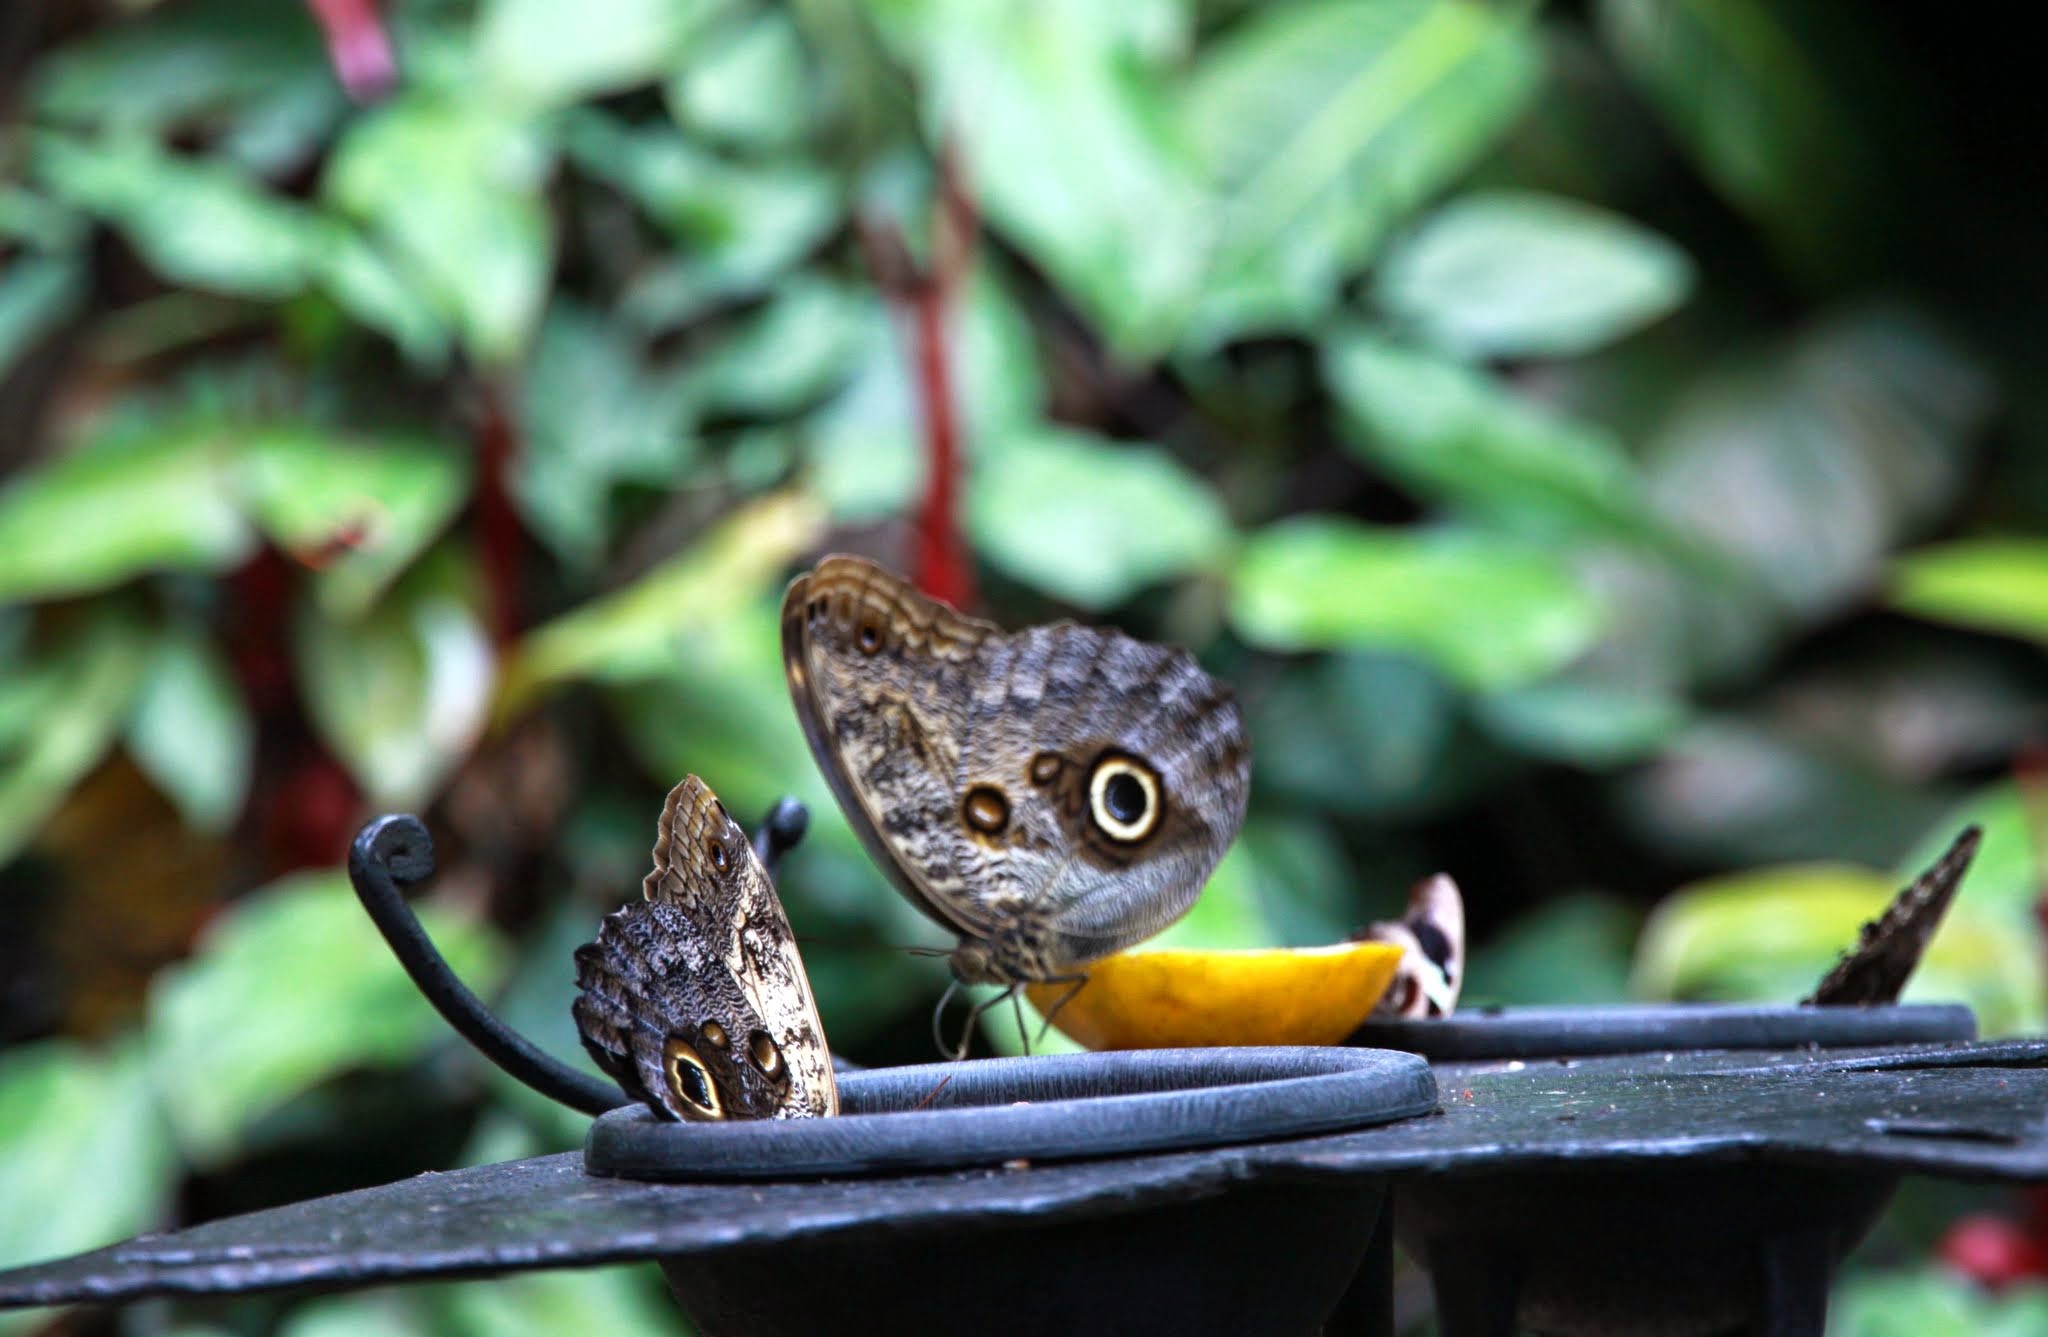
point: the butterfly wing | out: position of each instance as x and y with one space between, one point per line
1876 969
695 1000
1059 793
1432 967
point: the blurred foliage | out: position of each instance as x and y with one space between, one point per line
1601 442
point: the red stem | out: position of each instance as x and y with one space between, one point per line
497 522
942 568
357 47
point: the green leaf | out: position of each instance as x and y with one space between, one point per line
1322 124
595 416
379 502
289 988
84 1159
189 64
1585 720
1572 950
1997 584
1933 1300
796 350
1091 521
1096 185
643 630
1746 790
1361 734
37 294
1489 613
455 189
191 732
104 514
548 54
1519 274
201 222
1456 435
1746 99
1770 934
748 85
399 694
737 229
864 447
58 716
1805 469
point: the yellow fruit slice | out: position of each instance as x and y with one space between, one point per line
1172 997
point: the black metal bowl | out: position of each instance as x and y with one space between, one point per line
1549 1032
944 1116
1266 1257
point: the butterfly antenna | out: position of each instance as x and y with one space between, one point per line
927 951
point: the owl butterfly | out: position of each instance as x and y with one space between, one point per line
1876 969
1432 968
694 1000
1051 795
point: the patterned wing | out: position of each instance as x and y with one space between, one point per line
1876 969
1059 793
695 1000
1432 968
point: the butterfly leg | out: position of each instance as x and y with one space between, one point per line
1017 1010
1079 982
974 1015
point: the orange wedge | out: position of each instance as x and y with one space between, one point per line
1172 997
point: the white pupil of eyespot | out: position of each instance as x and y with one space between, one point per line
1124 798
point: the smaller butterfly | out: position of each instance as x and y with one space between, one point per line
1432 968
695 1000
1875 970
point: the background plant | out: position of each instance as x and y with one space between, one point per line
1598 439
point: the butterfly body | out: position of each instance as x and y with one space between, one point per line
1051 795
694 1000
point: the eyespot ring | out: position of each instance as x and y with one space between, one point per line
869 637
1125 798
766 1055
689 1081
714 849
986 810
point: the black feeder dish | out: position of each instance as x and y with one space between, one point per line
1671 1175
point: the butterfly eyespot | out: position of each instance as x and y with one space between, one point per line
1046 768
714 850
1124 798
869 638
766 1056
714 1035
689 1081
985 809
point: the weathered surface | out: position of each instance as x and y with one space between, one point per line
1958 1111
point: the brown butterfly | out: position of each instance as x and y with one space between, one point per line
695 1000
1888 949
1432 968
1051 795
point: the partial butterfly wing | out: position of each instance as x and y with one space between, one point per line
1876 969
1432 968
695 1000
1054 794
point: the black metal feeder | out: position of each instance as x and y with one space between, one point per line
1695 1190
1079 1193
1691 1246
